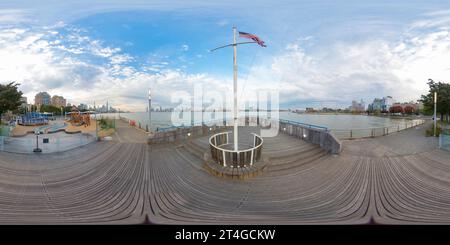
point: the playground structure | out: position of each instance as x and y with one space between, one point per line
35 118
78 118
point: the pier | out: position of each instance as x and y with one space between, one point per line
402 178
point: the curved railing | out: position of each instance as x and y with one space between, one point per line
235 159
304 124
357 133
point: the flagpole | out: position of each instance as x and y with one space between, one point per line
235 133
235 44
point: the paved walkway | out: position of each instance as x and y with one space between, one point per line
402 178
126 134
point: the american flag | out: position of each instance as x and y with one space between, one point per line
253 37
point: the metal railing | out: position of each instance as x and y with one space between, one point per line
357 133
235 159
303 124
48 143
444 140
204 123
317 135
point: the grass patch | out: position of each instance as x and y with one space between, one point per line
106 123
441 127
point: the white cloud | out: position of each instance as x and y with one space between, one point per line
223 22
41 62
366 69
9 16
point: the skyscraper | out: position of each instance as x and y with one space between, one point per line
42 98
58 101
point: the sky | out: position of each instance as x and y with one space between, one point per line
318 54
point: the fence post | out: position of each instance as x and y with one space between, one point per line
351 134
372 133
224 161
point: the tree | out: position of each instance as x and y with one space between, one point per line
396 109
50 108
409 110
9 97
443 99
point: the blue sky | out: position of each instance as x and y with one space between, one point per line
320 53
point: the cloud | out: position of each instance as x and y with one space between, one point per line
65 60
13 16
67 64
364 69
223 22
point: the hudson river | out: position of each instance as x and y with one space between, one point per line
331 121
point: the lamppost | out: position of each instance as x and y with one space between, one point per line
95 119
435 119
149 110
37 149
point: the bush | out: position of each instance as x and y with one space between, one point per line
430 131
106 123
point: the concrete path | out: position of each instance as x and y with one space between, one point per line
401 178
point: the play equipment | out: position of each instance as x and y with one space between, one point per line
34 118
78 118
51 128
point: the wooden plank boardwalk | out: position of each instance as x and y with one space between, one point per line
401 178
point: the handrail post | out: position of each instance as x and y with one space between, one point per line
224 161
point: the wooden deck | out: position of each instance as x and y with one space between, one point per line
401 178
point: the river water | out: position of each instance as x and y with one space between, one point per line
331 121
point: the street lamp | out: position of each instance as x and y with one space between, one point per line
95 119
435 119
37 149
149 110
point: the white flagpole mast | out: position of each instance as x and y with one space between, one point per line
235 117
235 133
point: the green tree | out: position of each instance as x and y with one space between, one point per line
9 97
50 108
443 99
33 108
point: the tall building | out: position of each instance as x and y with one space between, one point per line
383 104
58 101
388 101
358 106
42 98
82 107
